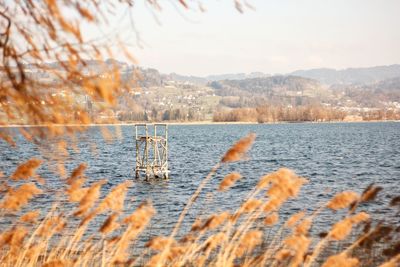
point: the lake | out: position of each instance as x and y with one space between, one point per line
333 156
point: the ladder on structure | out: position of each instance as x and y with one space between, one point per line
151 150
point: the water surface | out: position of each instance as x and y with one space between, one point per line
333 156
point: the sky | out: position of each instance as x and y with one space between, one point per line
278 36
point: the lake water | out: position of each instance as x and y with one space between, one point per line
333 156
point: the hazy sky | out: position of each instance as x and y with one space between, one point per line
278 36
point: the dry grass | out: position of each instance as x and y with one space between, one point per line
251 235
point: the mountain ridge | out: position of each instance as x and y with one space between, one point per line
364 75
327 76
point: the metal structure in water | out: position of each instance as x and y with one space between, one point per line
151 151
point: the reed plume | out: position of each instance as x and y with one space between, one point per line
271 219
343 200
87 201
341 260
110 224
228 181
20 196
26 170
238 151
294 219
30 217
78 172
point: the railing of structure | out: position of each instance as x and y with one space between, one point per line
151 150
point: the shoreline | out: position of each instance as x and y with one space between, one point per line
188 123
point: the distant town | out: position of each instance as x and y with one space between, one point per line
318 95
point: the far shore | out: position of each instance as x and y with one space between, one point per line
187 123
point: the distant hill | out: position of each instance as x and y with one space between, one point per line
327 76
267 85
383 91
378 94
182 78
210 78
351 75
236 76
389 85
361 87
277 89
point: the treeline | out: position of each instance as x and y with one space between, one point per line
162 115
315 113
380 114
268 113
262 114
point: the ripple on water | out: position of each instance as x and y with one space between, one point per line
334 157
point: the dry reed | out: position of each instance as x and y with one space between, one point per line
227 238
254 234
